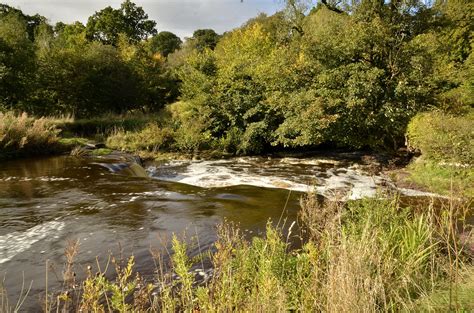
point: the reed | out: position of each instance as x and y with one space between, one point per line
24 134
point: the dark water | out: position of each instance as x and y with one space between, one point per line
44 203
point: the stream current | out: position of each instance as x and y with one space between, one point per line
46 202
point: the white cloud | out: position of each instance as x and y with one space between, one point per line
179 16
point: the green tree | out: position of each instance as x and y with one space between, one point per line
164 43
32 21
85 80
205 38
17 62
131 20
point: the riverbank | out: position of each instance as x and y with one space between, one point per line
444 168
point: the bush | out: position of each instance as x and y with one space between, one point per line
443 137
23 134
191 124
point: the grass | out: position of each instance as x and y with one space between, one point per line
107 124
22 135
441 300
446 143
25 135
364 256
151 138
444 179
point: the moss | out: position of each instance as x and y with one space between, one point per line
101 151
73 142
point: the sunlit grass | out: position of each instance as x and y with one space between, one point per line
443 178
22 134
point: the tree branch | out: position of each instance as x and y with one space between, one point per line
331 7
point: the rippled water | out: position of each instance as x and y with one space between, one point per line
46 202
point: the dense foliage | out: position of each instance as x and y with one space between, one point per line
106 66
443 137
351 74
446 142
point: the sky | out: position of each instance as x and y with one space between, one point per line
181 17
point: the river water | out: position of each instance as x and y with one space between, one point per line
46 202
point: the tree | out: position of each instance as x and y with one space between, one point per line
164 43
205 38
85 80
32 21
17 62
131 20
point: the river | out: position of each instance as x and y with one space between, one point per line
45 202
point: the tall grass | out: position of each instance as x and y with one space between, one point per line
364 256
107 124
150 138
24 134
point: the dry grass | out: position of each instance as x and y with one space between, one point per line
21 133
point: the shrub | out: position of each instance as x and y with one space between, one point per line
443 137
191 124
24 134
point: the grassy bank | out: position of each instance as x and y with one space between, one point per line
446 143
105 125
22 135
442 178
362 256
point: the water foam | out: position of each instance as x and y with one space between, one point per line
325 176
17 242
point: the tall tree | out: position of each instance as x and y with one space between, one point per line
131 20
16 61
164 43
205 38
32 21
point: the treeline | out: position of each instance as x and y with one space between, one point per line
116 63
350 75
